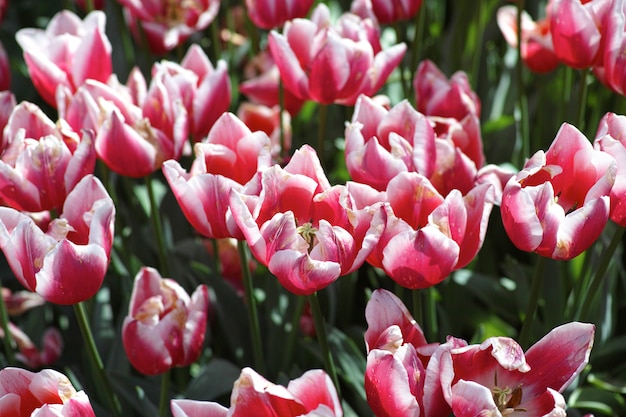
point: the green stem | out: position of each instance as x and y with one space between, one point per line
521 92
127 42
96 361
401 37
155 217
607 255
418 41
322 337
7 340
582 99
292 337
430 309
89 6
321 134
533 301
417 307
165 394
253 317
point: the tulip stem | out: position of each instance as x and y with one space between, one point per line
533 301
165 394
320 331
522 114
401 37
418 37
584 88
7 339
417 307
83 323
605 261
293 332
253 316
155 217
321 133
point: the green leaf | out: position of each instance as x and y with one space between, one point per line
214 380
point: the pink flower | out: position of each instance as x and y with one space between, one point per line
610 69
52 346
268 120
19 302
576 31
150 124
41 394
7 103
610 139
41 162
269 14
205 90
164 327
537 50
402 373
307 233
558 204
66 264
67 53
497 377
388 11
5 68
312 394
167 23
228 159
428 236
332 64
387 142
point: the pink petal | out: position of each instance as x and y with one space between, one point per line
190 408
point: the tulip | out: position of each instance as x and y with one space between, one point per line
164 327
428 236
167 24
67 53
386 11
558 204
610 139
575 33
388 142
610 69
228 159
306 232
498 378
5 68
151 125
66 264
19 302
40 163
332 64
268 120
7 103
45 393
52 346
402 372
312 394
536 42
269 14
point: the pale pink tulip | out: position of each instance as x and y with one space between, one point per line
228 159
498 378
67 264
41 394
67 53
165 327
558 204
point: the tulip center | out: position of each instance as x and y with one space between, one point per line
507 399
307 231
175 11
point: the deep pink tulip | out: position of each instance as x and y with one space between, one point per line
66 264
537 50
262 84
3 8
42 394
205 89
558 204
228 159
7 103
164 327
150 124
498 378
312 394
269 14
330 63
402 373
575 27
428 236
386 11
381 143
612 68
97 4
610 139
41 162
67 53
167 24
307 233
5 69
268 120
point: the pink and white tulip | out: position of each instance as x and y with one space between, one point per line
269 14
165 327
